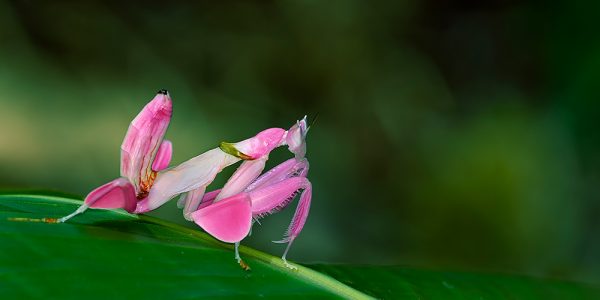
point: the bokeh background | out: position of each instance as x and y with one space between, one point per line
451 134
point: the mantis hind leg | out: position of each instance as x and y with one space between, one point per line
237 252
118 193
240 261
272 198
283 257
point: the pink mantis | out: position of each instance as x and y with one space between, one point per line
227 213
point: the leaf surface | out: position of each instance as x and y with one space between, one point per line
105 254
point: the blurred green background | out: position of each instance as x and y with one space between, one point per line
456 135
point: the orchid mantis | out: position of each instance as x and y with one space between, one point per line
228 213
193 176
143 154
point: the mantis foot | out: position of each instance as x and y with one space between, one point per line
288 265
242 263
80 210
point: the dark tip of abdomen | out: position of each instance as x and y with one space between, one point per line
163 91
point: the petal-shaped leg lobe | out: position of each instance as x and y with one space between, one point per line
228 220
118 193
163 156
247 172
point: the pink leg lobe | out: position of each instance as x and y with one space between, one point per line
118 193
228 220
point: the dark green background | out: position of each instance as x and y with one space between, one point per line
454 135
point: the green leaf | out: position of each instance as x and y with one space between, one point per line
404 283
111 254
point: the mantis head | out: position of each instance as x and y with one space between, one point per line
296 138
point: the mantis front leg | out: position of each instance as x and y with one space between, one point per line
248 171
